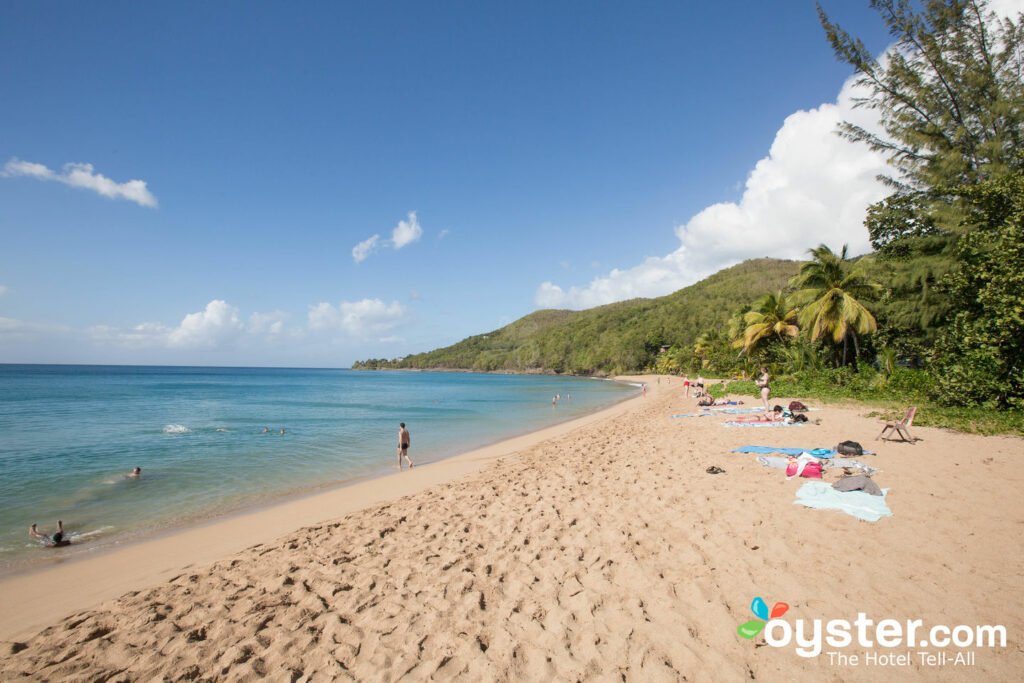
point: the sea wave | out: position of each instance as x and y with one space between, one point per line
176 429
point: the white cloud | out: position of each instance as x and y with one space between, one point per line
360 319
214 326
441 235
813 187
3 290
365 248
83 176
406 232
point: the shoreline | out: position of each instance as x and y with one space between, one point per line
30 561
35 595
601 548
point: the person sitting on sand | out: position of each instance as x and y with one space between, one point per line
57 540
137 472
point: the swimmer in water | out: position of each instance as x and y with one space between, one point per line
57 540
137 472
282 431
266 431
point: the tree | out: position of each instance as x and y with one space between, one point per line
950 97
830 292
980 354
772 315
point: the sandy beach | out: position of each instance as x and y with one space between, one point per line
599 549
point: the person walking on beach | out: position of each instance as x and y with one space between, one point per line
57 540
763 383
686 385
403 445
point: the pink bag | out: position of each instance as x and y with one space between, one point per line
812 470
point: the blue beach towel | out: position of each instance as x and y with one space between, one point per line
693 415
818 494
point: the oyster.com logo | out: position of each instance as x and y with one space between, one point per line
751 628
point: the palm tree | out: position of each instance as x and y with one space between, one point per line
772 315
705 344
830 290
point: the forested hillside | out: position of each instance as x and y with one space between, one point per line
620 337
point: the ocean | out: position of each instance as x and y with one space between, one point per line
69 434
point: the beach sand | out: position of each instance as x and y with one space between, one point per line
599 549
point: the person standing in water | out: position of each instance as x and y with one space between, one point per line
57 540
134 474
403 445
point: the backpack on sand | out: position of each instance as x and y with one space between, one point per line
849 448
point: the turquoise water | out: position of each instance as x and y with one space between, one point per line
68 434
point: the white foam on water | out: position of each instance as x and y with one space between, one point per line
75 536
176 429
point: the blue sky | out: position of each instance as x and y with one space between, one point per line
553 154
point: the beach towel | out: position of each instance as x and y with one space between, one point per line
779 463
693 415
739 411
763 424
768 450
818 494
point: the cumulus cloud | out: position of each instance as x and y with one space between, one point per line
359 319
85 177
813 187
365 248
406 232
217 324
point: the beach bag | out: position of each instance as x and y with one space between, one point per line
797 405
849 448
812 470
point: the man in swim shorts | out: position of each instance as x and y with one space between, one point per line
403 445
57 540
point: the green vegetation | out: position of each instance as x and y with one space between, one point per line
934 317
617 338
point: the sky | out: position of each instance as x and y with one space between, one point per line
308 184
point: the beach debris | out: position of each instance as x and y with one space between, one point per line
714 469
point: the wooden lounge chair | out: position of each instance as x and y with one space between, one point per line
901 427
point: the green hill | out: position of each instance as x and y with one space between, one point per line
616 338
